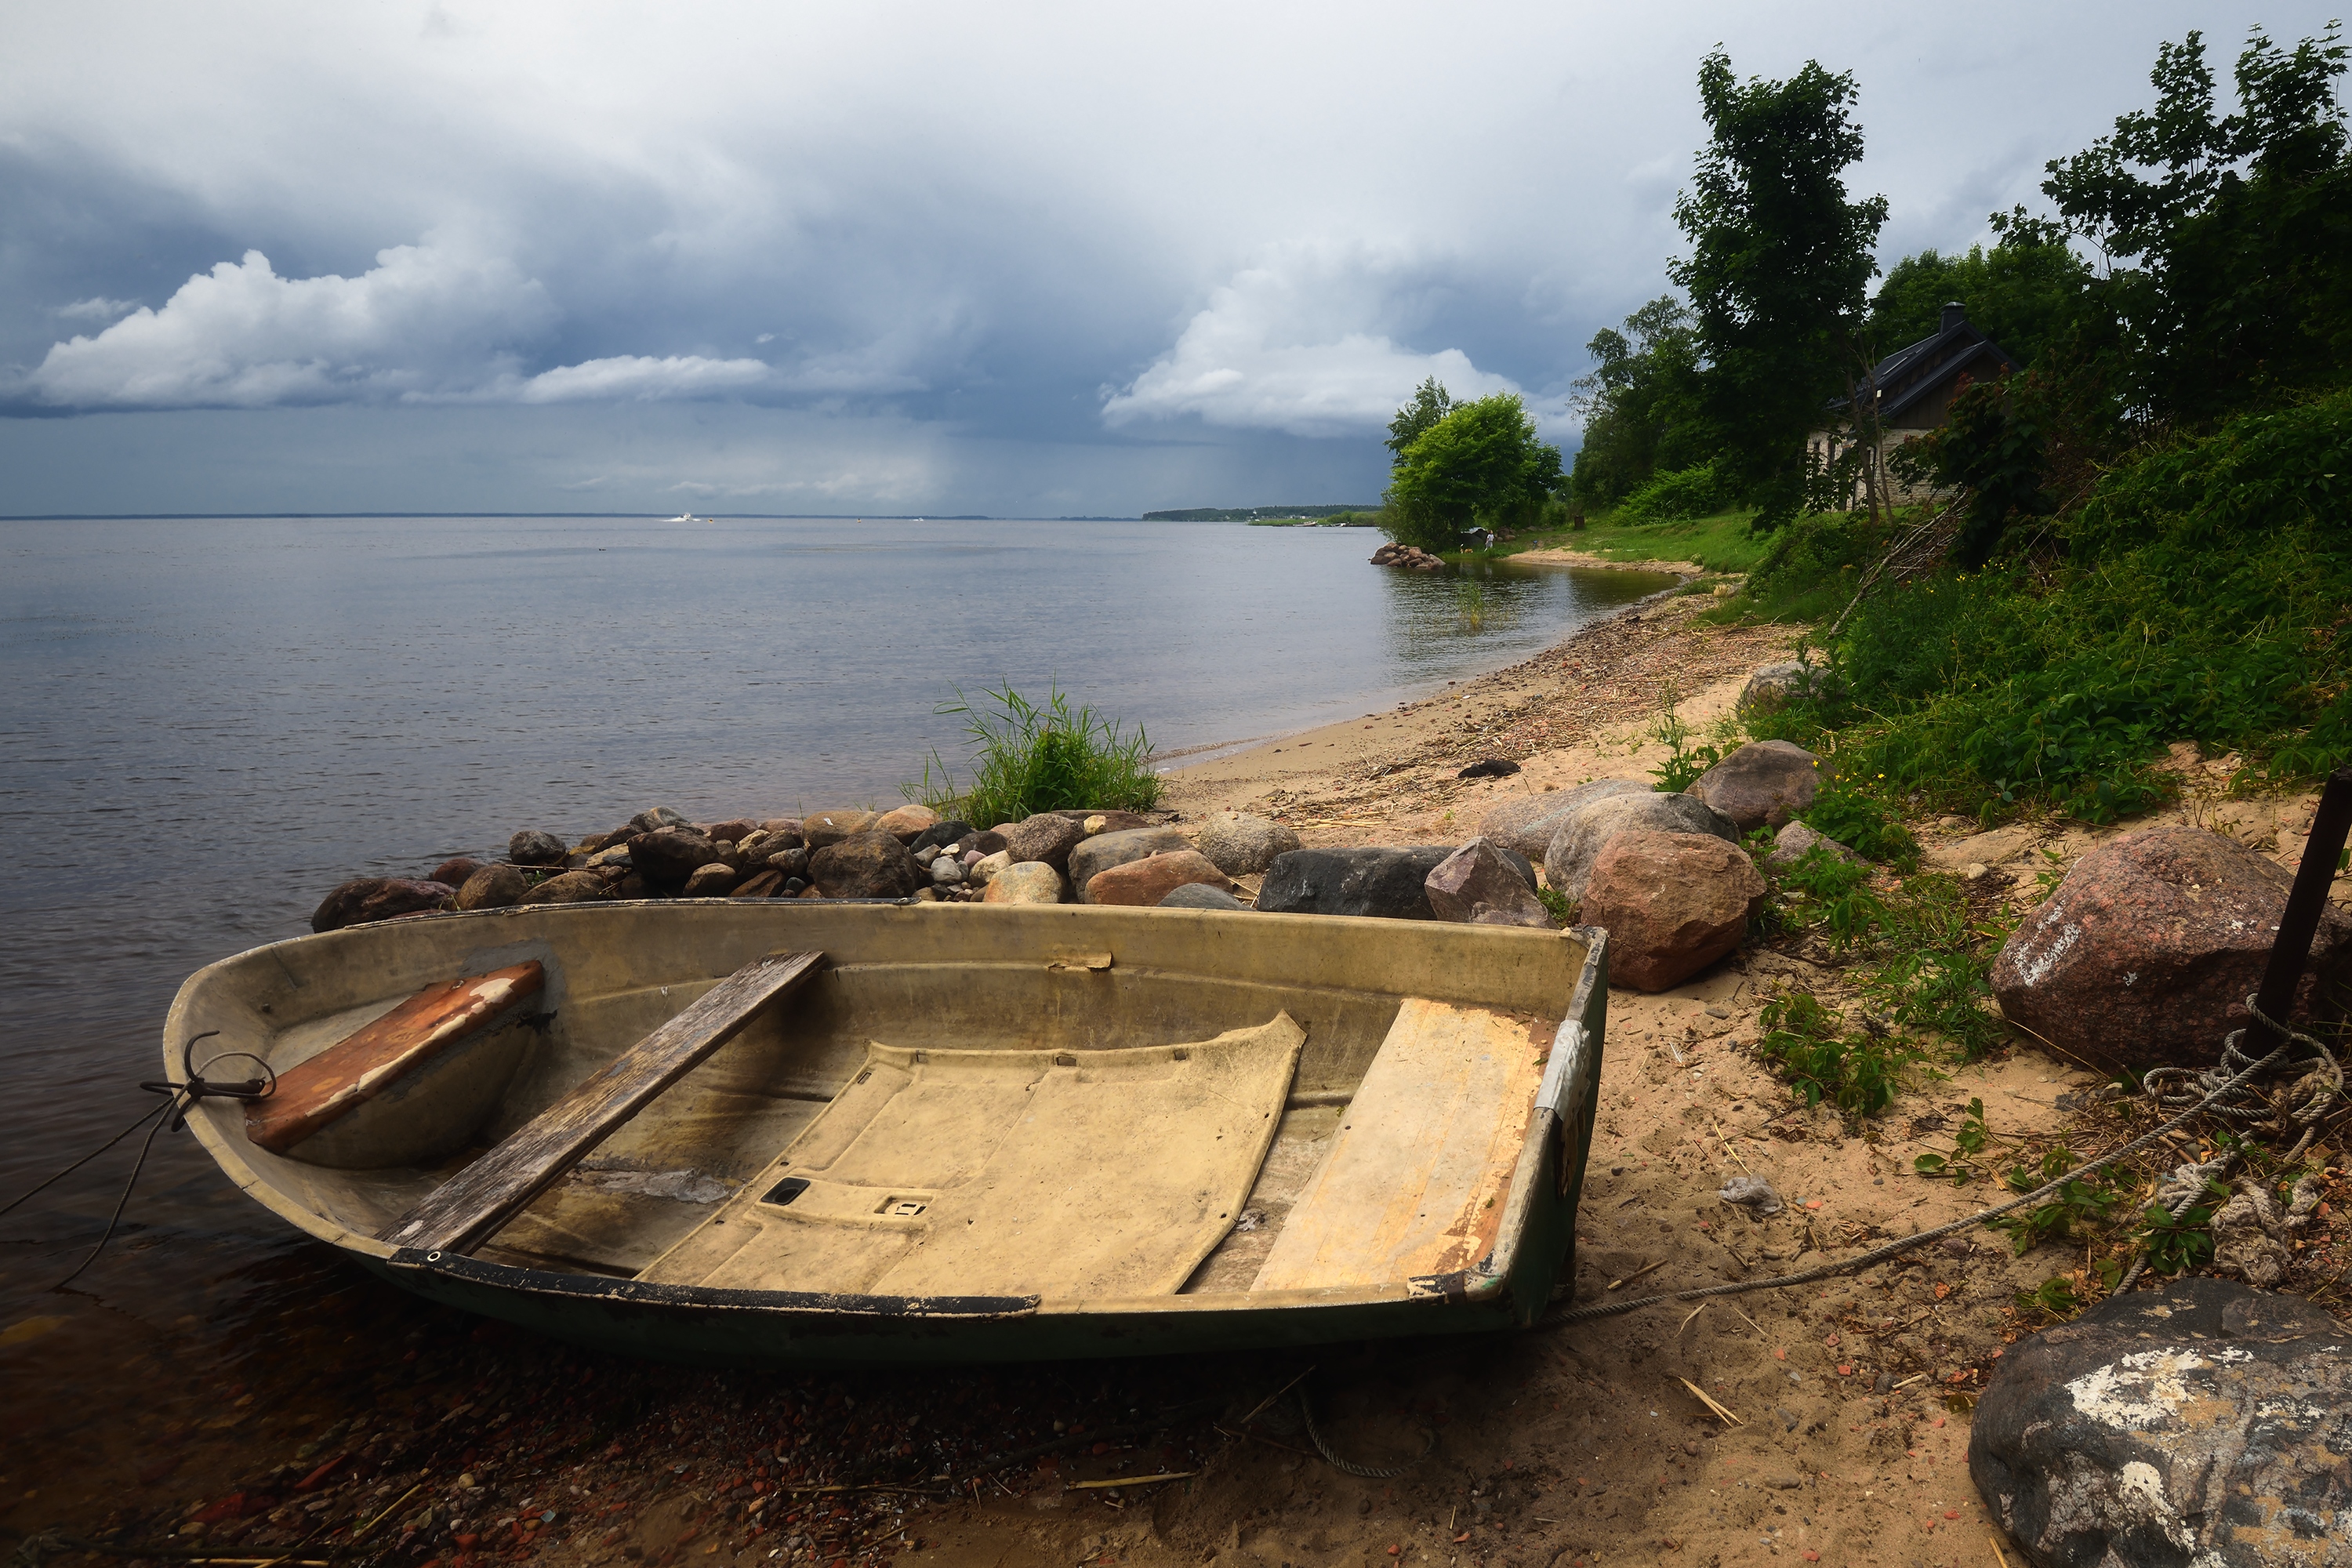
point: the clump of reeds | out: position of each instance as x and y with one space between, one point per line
1028 758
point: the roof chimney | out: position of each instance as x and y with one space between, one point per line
1955 315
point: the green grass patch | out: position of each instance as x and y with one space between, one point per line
1027 759
1720 542
1808 1044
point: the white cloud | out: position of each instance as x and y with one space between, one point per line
427 318
638 377
99 308
1305 343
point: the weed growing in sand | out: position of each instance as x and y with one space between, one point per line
1029 758
1556 905
1684 763
2082 1204
1808 1042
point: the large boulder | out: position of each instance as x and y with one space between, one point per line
1385 882
1671 903
908 823
1527 821
493 887
653 819
667 857
867 865
454 870
1098 853
572 887
819 828
1024 882
2204 1424
1141 884
1581 836
1773 687
1762 783
365 899
2146 953
1047 838
532 848
1240 845
1475 885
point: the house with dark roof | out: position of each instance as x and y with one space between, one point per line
1913 389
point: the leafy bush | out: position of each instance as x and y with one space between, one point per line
1807 1043
1029 758
1679 495
1862 824
1811 570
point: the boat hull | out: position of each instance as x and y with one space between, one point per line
1084 975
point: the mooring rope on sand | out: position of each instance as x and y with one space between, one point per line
2218 1092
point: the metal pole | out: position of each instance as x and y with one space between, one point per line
2330 824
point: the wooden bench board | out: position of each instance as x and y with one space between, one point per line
356 1069
1416 1176
468 1208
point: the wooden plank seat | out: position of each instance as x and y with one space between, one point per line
468 1209
1416 1177
330 1086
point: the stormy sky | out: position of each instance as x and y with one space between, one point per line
1022 260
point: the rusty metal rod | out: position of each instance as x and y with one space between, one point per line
2330 824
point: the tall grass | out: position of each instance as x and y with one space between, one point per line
1027 759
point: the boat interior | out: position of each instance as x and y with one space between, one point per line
909 1102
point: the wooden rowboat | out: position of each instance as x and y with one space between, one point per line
792 1131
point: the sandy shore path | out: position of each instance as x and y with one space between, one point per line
1578 711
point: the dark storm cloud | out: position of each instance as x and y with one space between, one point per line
1052 259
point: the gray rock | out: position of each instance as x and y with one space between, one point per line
1095 855
655 818
1795 839
756 848
1201 896
2200 1424
941 833
532 848
365 899
493 887
946 870
1773 687
1385 882
1046 838
1762 783
1525 823
867 865
1240 845
792 862
1475 885
1581 836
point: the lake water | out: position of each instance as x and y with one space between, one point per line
204 724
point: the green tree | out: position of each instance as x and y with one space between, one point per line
1482 465
1429 404
2229 236
2023 295
1640 405
1780 260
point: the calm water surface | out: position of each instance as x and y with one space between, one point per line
204 724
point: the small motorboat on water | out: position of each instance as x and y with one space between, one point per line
788 1132
686 517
